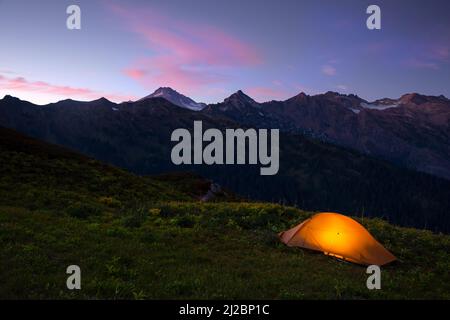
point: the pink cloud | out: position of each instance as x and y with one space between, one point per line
328 70
135 74
187 56
20 84
167 71
431 56
440 53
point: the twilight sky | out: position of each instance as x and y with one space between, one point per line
208 49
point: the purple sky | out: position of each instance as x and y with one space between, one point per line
208 49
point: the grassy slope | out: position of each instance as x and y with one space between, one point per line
139 237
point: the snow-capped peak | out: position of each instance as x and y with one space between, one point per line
379 105
176 98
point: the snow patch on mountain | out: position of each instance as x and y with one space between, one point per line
375 106
176 98
354 110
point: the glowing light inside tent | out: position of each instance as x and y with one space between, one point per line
339 236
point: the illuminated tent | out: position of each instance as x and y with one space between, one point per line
339 236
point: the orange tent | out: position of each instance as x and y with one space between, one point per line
339 236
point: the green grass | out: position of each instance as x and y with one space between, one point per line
149 238
203 251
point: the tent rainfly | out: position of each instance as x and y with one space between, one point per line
339 236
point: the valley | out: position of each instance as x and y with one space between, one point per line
314 174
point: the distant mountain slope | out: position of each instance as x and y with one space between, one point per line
412 131
133 135
313 175
38 175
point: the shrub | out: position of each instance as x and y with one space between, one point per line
154 212
147 236
110 202
117 231
82 210
269 238
185 221
135 217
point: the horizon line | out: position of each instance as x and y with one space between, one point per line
207 104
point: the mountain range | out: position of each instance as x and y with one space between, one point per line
412 131
337 152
